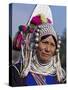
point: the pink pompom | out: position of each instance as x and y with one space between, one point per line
36 20
19 41
24 28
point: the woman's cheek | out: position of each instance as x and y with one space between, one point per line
53 51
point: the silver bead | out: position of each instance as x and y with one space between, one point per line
36 39
38 30
59 42
57 50
36 45
37 34
58 46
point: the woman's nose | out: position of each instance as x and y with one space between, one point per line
48 48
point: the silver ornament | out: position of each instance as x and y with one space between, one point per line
37 34
36 45
59 42
58 46
57 50
36 39
38 30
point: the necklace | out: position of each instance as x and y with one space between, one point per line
46 69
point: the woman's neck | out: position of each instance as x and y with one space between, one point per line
43 62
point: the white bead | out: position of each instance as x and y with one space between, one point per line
37 30
37 34
59 42
36 45
58 46
57 50
37 39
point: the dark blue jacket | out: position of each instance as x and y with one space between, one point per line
29 80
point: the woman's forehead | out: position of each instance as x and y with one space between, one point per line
49 38
46 37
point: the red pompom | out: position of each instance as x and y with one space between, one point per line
31 30
24 28
18 41
36 20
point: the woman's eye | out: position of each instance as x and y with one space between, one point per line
45 42
52 45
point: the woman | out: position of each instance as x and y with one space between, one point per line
39 63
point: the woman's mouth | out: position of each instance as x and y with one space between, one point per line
45 54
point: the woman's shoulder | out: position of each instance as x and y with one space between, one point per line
14 72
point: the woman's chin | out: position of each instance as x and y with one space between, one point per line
45 59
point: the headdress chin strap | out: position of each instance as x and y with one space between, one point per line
27 56
59 70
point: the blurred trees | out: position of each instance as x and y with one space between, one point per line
63 49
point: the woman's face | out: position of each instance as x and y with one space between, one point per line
46 49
